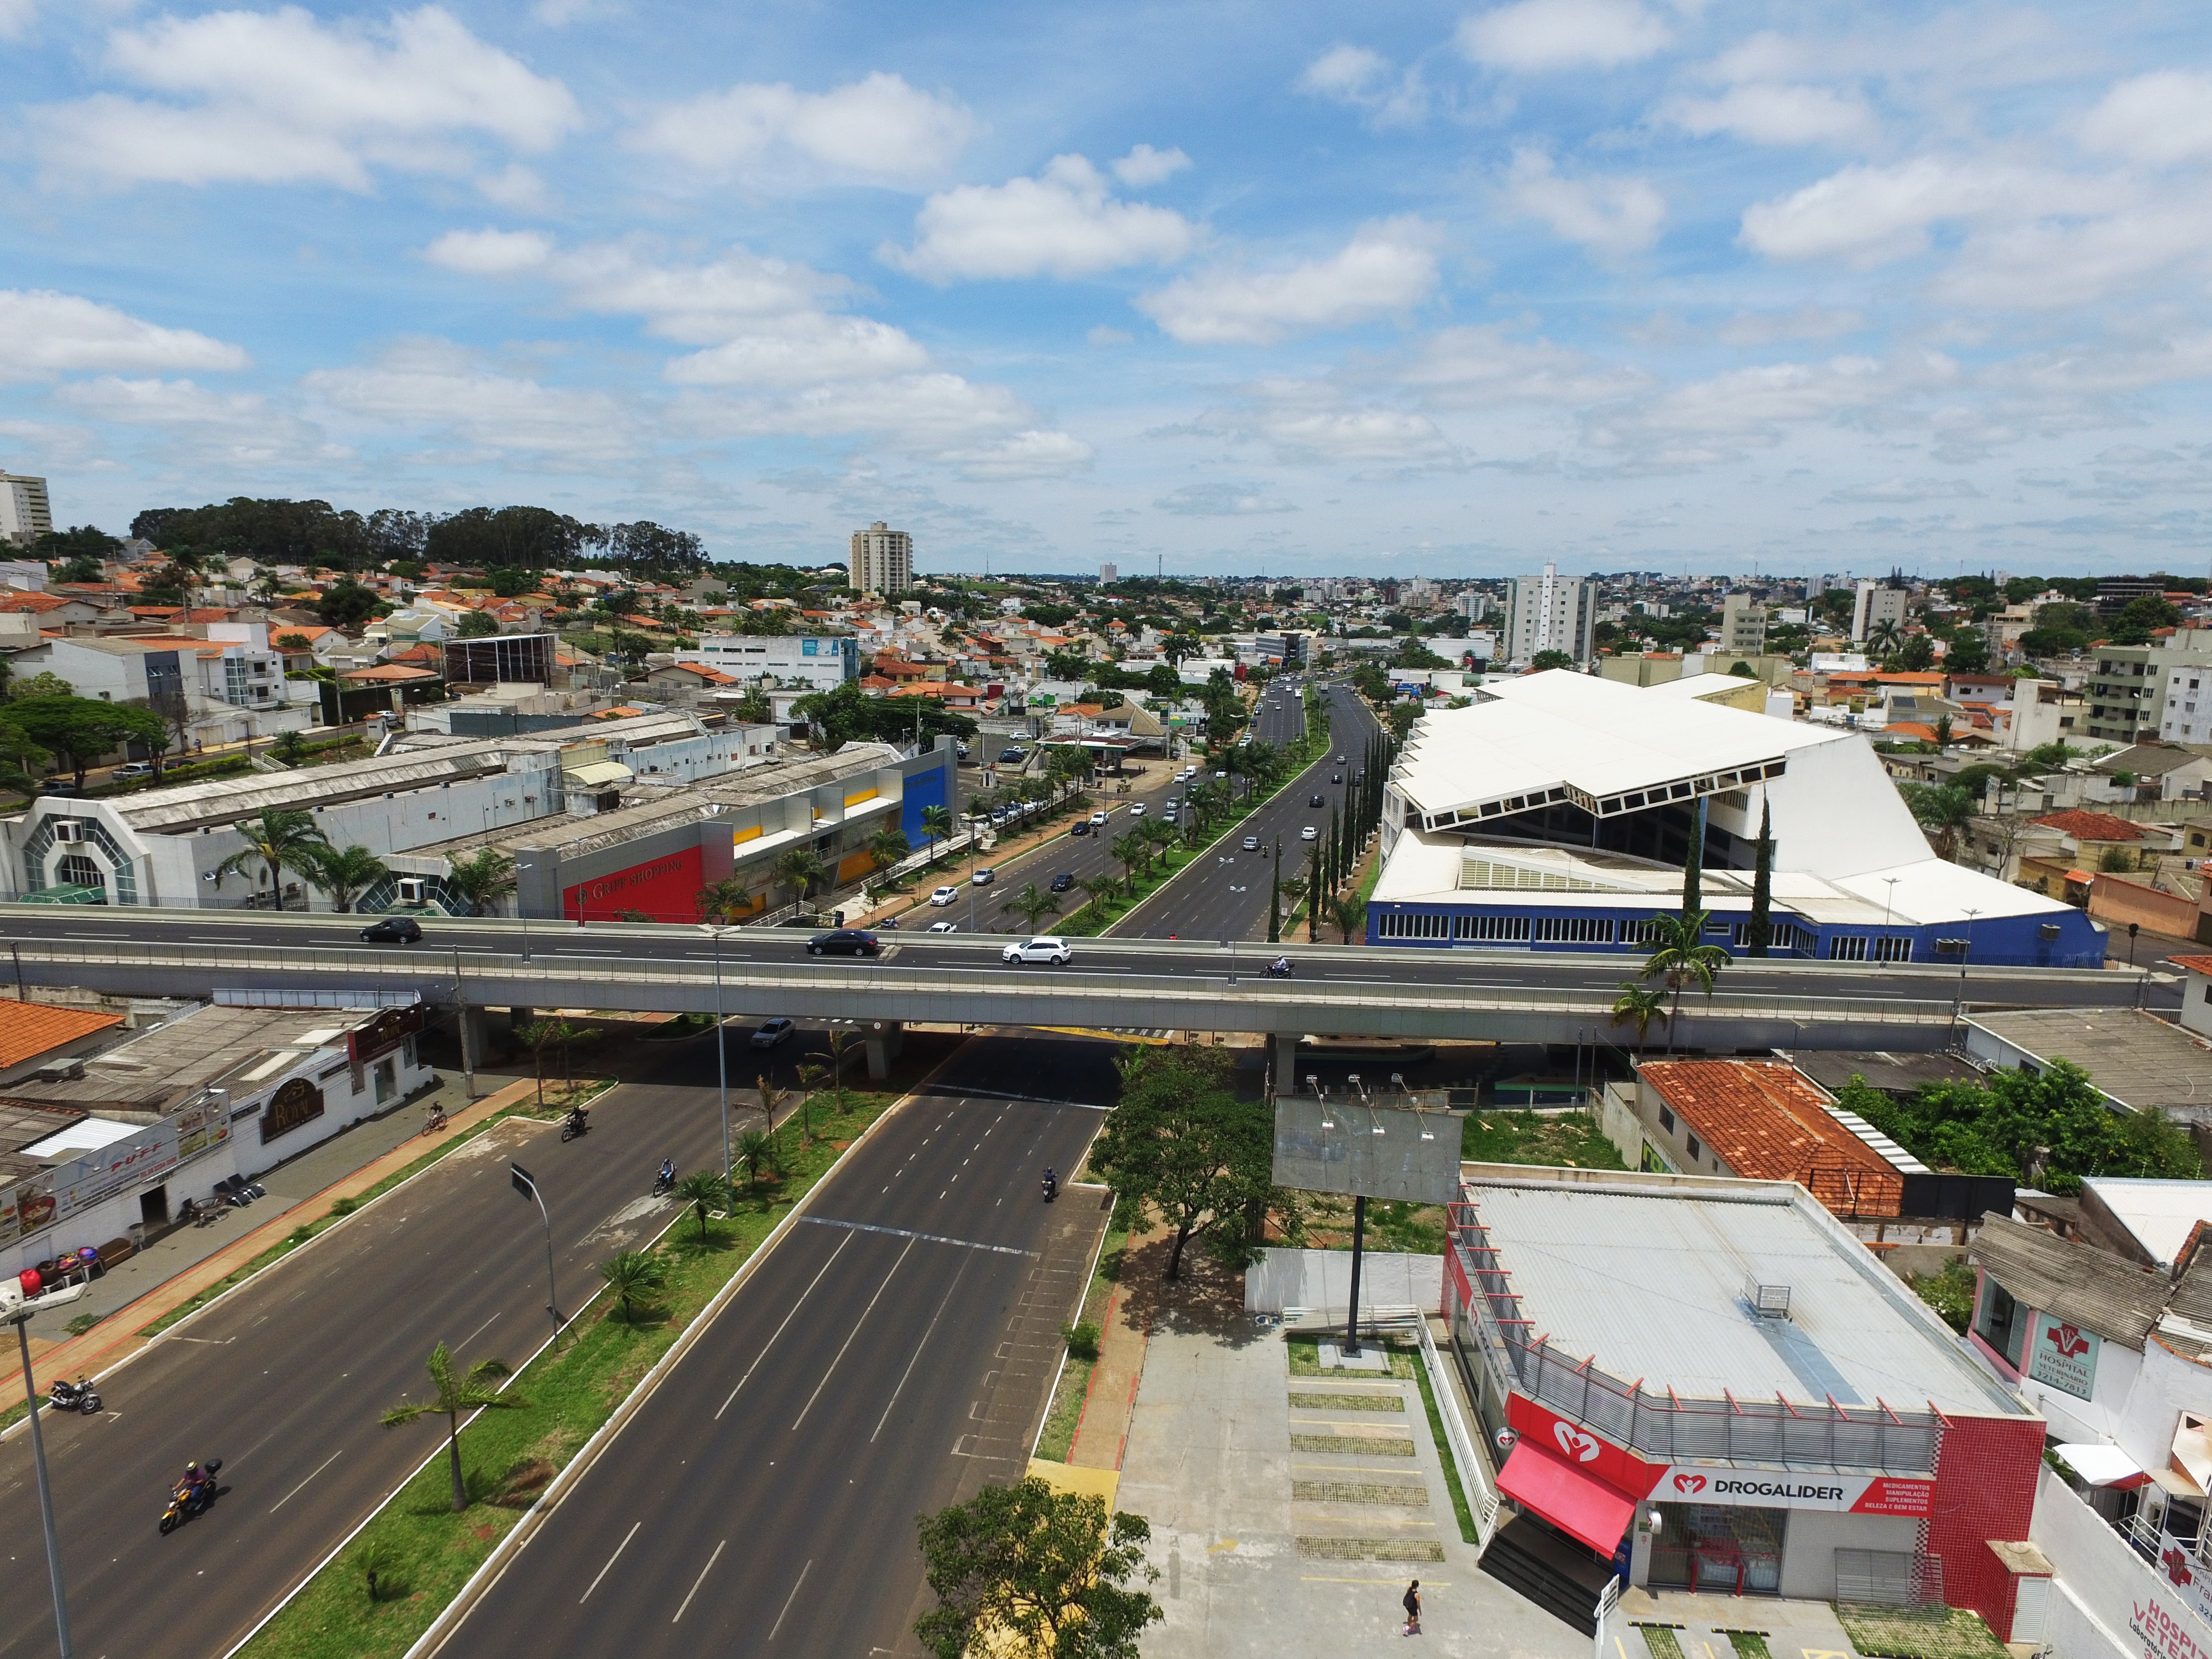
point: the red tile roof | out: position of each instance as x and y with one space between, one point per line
28 1030
2090 826
1767 1121
2194 964
36 601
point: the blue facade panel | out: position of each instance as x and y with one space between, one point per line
927 784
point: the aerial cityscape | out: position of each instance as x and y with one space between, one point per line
1456 890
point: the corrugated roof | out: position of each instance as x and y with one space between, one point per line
2094 1288
1648 1281
2129 1054
28 1030
1768 1121
195 1050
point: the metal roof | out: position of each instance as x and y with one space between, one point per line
2095 1289
1645 1277
2130 1055
2160 1214
194 1051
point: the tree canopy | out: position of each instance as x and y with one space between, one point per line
848 714
1025 1571
1181 1142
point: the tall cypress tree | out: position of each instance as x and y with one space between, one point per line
1275 898
1761 930
1313 896
1693 862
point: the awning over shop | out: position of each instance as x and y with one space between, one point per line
1579 1505
2101 1465
596 774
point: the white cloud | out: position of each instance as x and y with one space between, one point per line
490 252
1805 322
515 186
1388 267
281 97
1907 491
15 17
1210 501
1476 367
697 305
1777 115
2162 118
45 334
1366 79
1031 454
436 387
983 431
1608 215
2048 264
1063 223
802 350
1721 417
1556 35
877 131
238 428
1868 215
1144 166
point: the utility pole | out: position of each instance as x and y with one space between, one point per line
17 1310
527 1186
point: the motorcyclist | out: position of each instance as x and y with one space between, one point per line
668 1172
1051 1183
579 1118
193 1488
1279 965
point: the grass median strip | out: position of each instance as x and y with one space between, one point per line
408 1562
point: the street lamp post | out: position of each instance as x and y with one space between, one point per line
1888 900
722 1046
18 1312
1966 950
527 1184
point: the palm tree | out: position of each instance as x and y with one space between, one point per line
1096 893
633 1276
753 1149
1942 809
344 875
536 1036
701 1188
1683 958
936 825
811 1073
457 1392
1129 851
482 879
1034 903
887 847
1348 912
1159 833
279 841
802 866
771 1101
1885 636
723 901
1640 1005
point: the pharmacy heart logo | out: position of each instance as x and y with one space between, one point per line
1581 1447
1689 1483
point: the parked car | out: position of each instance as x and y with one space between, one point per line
1044 949
393 930
1063 881
844 941
1251 843
944 896
943 927
960 750
1311 832
773 1031
984 877
1316 800
131 771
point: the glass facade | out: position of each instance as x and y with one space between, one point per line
1719 1549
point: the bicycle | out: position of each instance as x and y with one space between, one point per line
435 1120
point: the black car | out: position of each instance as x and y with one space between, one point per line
1062 882
844 941
1316 801
1336 777
1080 827
394 930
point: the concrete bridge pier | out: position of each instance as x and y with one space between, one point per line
470 1020
885 1039
1284 1047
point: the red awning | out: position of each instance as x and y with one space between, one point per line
1579 1505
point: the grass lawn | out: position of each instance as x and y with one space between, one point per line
1522 1136
1467 1532
1899 1633
423 1552
1305 1359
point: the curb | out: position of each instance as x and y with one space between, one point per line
447 1623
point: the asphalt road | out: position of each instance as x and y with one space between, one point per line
285 1379
763 1499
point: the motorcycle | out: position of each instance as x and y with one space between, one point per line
1051 1186
77 1396
1279 967
186 1502
663 1183
576 1124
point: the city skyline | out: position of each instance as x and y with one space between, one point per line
1448 292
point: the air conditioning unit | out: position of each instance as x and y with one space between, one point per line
68 829
411 890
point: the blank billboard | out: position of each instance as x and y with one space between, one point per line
1366 1151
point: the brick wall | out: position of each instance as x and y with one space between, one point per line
1986 1470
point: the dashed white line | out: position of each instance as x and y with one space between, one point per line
829 1369
303 1487
789 1599
787 1318
619 1548
701 1578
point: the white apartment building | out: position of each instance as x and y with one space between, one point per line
1743 625
1878 604
2188 714
26 511
818 662
882 559
230 686
1108 574
1550 613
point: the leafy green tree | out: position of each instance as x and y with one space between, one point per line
1033 904
1942 809
723 901
936 825
1640 1005
1760 933
1181 1143
477 625
347 605
538 1036
481 879
847 714
704 1189
1131 852
800 868
634 1276
1025 1572
343 874
756 1151
279 841
1682 958
455 1391
79 730
1546 659
1275 897
1096 893
1349 913
887 847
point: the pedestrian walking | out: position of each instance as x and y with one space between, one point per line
1413 1609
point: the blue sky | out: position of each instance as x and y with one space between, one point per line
1683 285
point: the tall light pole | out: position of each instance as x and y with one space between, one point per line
17 1310
721 1045
1967 949
527 1184
1888 900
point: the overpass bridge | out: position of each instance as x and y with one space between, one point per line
1425 996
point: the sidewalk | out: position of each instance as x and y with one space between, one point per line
173 1272
1102 1433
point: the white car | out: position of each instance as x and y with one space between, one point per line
945 895
1311 832
1136 809
1041 949
1096 819
943 928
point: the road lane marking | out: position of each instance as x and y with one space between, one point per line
787 1318
474 1333
793 1596
303 1487
918 1349
926 1238
831 1367
701 1579
605 1570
